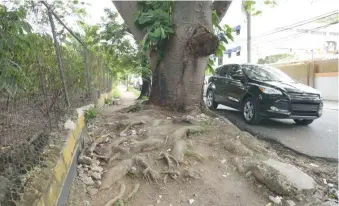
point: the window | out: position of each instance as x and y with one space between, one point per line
222 71
266 73
235 70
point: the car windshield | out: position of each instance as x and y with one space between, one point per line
266 73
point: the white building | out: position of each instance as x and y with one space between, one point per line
312 39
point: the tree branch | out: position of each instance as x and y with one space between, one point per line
127 10
221 7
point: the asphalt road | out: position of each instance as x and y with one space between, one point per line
319 139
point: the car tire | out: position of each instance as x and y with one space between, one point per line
303 121
250 111
210 102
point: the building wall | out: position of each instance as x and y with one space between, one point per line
327 84
320 74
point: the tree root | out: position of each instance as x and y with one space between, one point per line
192 174
134 191
183 133
148 173
165 179
147 143
118 197
197 156
123 132
115 173
178 149
168 158
94 144
173 174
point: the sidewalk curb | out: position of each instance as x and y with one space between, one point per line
65 168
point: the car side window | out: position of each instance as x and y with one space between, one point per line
234 71
223 71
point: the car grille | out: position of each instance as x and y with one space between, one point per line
283 105
299 96
305 109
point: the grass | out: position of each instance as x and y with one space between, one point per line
91 114
116 93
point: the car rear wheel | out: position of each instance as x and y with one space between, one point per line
303 121
250 111
211 104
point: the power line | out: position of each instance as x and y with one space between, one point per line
298 24
304 33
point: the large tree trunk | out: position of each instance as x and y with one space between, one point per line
178 79
146 86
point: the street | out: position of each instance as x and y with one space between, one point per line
319 139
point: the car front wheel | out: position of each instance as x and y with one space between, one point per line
250 111
303 121
211 104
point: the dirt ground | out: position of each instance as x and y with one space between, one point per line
147 156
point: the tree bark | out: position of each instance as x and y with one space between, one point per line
146 85
178 79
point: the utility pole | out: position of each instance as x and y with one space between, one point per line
58 54
248 17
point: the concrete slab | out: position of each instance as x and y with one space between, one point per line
283 178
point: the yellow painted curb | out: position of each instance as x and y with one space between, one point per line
51 195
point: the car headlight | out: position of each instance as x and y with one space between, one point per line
269 90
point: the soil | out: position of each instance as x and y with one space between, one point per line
152 142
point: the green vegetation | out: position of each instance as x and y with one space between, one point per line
116 94
91 114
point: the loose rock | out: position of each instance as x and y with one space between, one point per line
191 201
276 200
97 168
96 175
290 203
92 191
86 180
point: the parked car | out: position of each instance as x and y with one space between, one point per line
261 91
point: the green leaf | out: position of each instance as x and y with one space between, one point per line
157 33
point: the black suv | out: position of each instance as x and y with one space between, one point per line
261 91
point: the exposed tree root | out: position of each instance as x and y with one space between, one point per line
235 147
94 144
147 144
173 174
192 174
165 179
168 158
118 197
148 173
183 133
115 173
197 156
123 132
134 191
178 149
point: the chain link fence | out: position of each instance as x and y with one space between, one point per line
32 120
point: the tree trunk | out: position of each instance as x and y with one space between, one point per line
178 79
146 85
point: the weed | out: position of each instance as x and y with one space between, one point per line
91 114
117 203
107 101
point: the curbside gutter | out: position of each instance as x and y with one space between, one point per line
65 168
